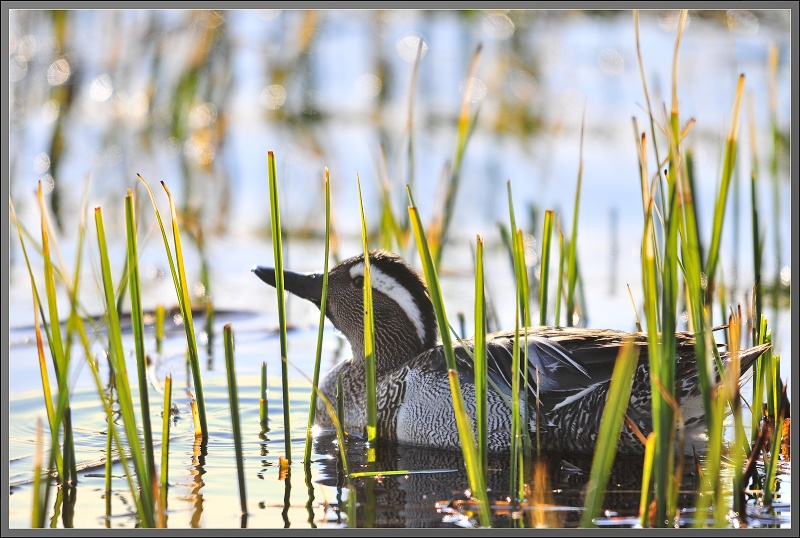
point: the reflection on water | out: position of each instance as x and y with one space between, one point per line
203 491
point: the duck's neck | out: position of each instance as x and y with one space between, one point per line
392 348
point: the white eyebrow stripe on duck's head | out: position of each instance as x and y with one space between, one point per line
391 288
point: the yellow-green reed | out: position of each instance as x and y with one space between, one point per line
263 403
544 277
560 279
166 415
109 437
647 473
159 323
76 324
184 301
117 361
468 446
277 246
729 162
322 306
67 473
340 402
233 398
137 322
369 335
619 393
481 411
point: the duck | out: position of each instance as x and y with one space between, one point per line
565 401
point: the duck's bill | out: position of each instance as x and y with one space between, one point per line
306 286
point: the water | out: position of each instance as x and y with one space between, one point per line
538 84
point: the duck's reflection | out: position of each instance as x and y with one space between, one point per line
434 491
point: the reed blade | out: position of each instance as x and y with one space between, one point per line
322 309
277 245
619 394
466 436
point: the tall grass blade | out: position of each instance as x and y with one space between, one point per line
277 246
109 445
179 281
619 393
369 335
560 279
322 309
544 277
186 312
647 474
468 446
263 402
166 415
137 323
159 323
117 361
233 398
481 411
722 198
60 359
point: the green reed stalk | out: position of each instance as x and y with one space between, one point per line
117 361
468 446
263 402
560 279
322 306
109 445
466 123
182 291
481 403
619 394
166 415
185 302
728 165
277 246
137 322
544 275
340 401
647 473
233 398
525 319
572 264
60 359
159 323
369 334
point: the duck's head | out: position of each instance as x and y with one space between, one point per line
405 323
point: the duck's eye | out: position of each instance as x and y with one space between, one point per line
358 281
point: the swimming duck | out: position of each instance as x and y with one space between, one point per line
413 391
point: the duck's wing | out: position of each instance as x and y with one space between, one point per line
552 372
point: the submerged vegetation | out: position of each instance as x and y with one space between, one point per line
681 275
